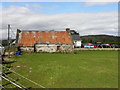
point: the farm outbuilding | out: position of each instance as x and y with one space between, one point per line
44 41
76 40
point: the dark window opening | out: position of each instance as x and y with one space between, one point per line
58 48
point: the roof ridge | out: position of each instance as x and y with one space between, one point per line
40 31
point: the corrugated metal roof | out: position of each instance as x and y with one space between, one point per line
31 38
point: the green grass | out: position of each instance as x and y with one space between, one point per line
86 69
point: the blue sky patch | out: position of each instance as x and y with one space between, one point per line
63 7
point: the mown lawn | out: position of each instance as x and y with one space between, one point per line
85 69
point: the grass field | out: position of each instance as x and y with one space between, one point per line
85 69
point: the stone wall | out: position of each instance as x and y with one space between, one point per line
66 48
48 48
45 48
53 48
27 49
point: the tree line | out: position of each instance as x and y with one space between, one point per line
100 38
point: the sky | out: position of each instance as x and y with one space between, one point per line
87 18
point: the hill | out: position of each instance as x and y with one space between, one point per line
100 38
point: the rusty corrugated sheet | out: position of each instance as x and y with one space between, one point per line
30 38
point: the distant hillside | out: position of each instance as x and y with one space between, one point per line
100 38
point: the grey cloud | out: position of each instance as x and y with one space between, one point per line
85 23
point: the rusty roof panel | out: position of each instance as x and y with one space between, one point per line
30 38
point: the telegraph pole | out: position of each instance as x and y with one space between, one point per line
8 40
8 35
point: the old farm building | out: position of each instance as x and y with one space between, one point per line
45 41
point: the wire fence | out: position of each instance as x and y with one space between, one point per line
15 81
19 80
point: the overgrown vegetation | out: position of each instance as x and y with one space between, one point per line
5 42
